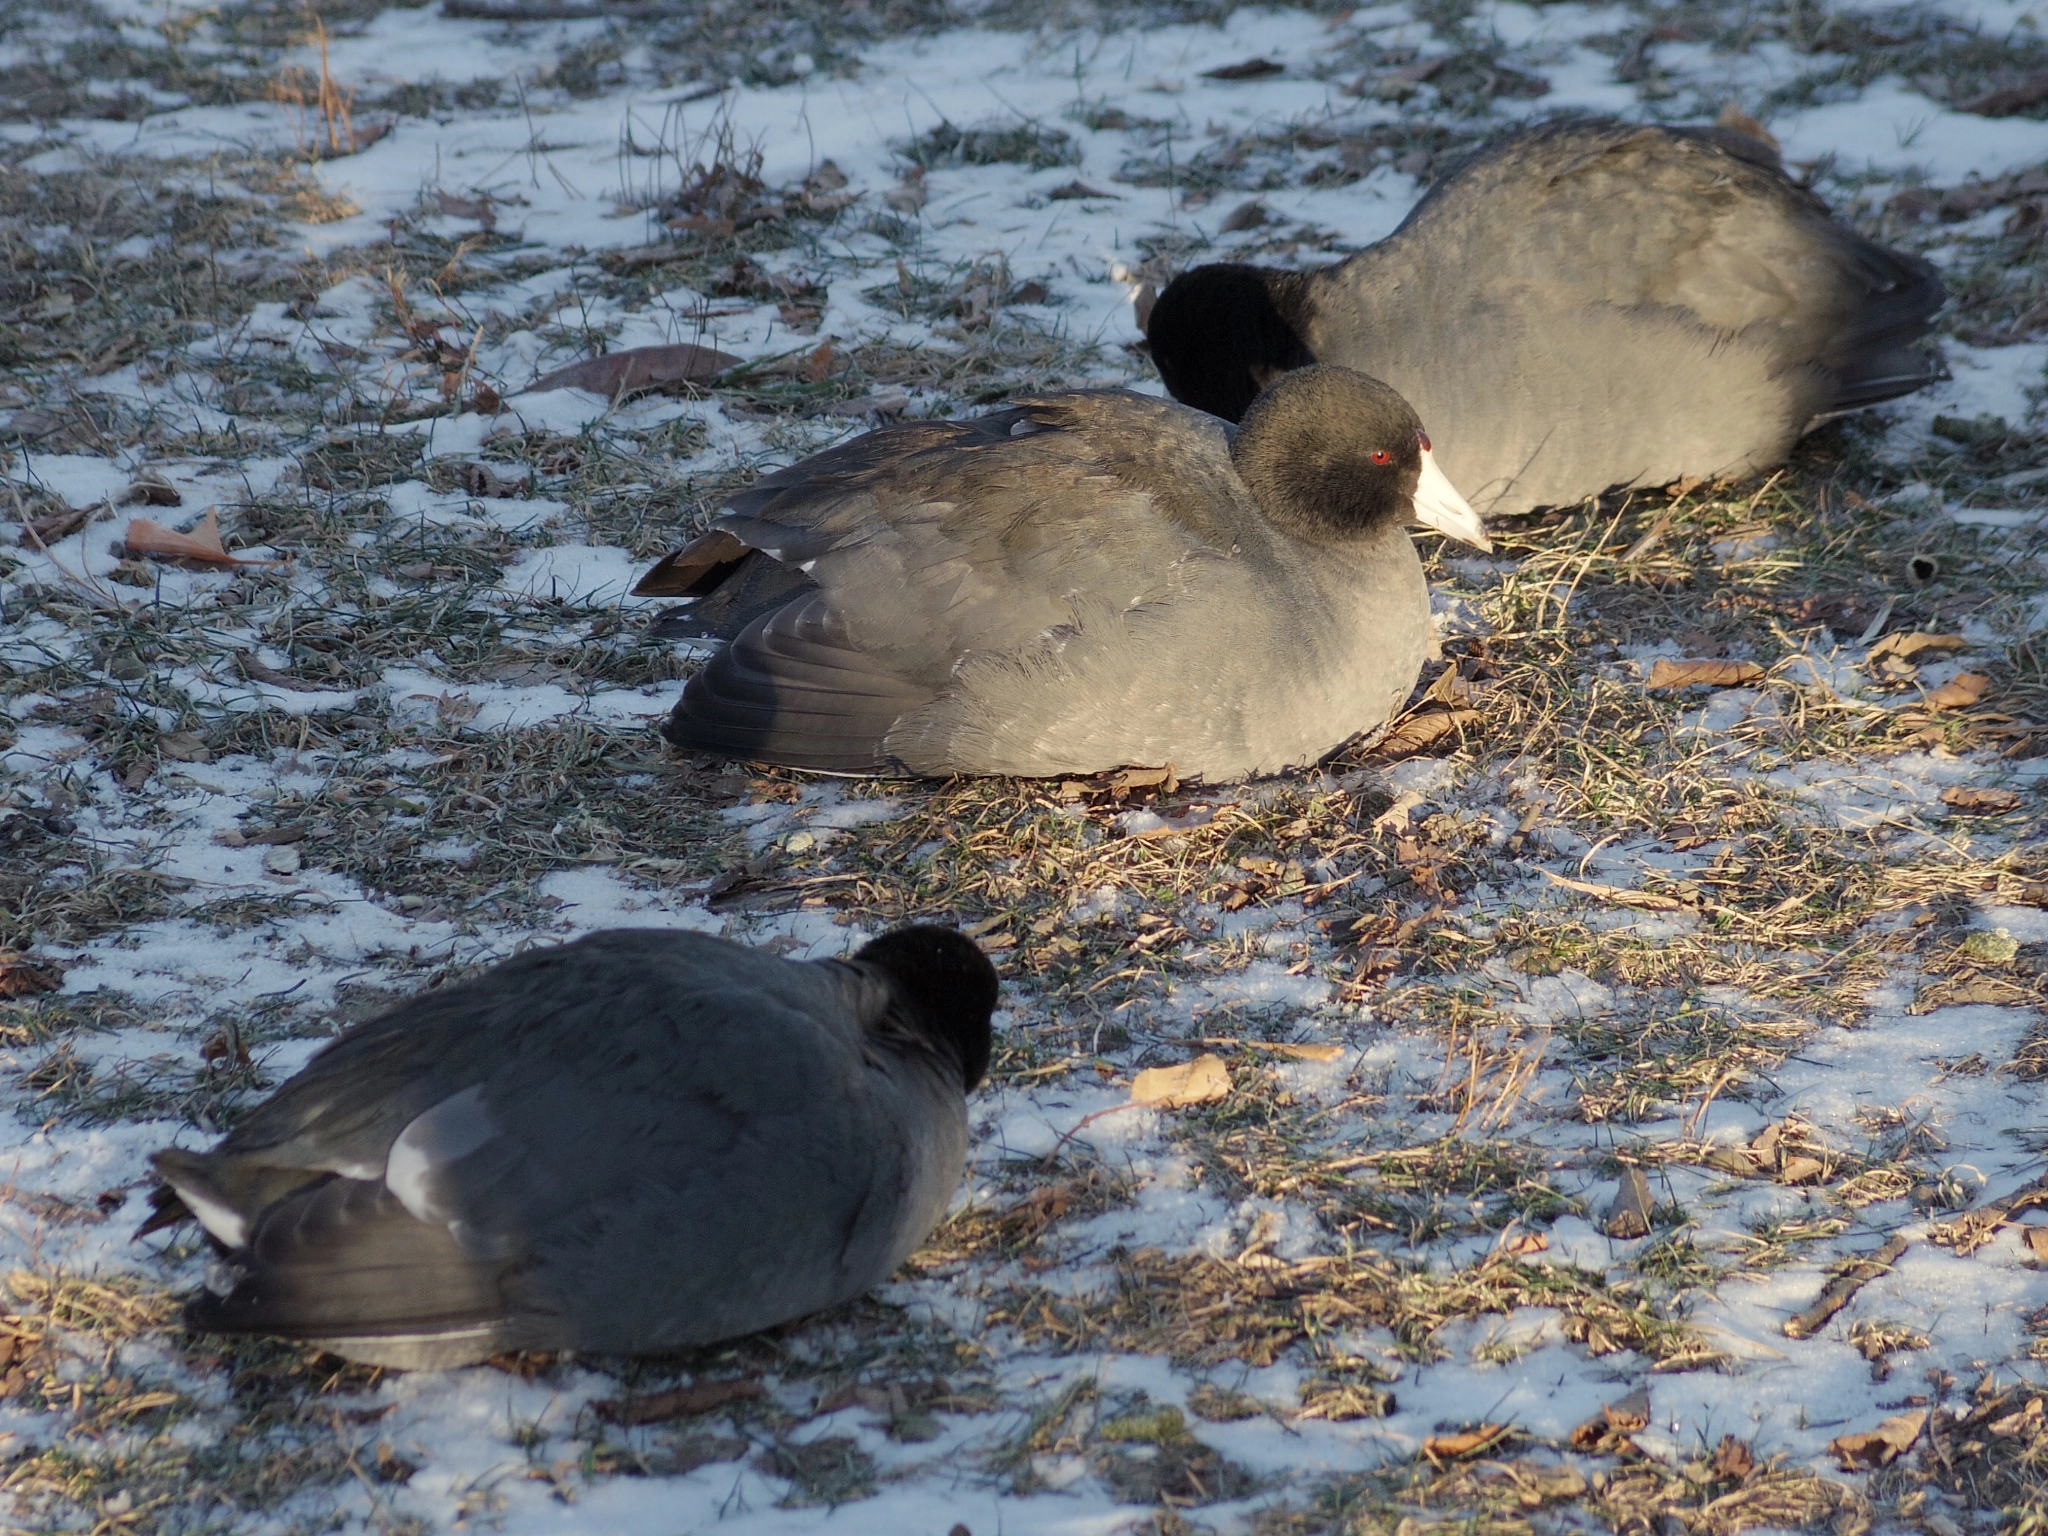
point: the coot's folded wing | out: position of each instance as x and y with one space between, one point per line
919 546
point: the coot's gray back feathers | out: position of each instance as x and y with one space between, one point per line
1585 304
637 1142
1073 584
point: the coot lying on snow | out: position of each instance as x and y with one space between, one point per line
636 1142
1071 585
1586 304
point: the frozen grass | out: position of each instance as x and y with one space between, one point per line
1730 941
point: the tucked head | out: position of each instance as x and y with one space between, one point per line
949 985
1331 455
1222 333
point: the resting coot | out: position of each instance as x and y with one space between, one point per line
1071 585
1586 304
630 1144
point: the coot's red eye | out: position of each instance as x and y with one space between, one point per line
1422 437
1381 456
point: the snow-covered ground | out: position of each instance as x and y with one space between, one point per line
1149 160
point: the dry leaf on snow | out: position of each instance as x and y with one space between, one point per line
183 747
1420 731
1667 673
1201 1081
22 977
41 531
677 1402
1733 1459
2036 1239
1442 1448
1299 1050
636 368
1629 1214
1979 802
1906 646
1618 1419
202 544
1880 1446
1800 1169
1960 692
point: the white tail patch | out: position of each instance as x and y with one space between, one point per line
451 1130
224 1222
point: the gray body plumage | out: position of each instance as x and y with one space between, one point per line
1065 586
637 1142
1592 304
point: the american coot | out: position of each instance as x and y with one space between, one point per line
633 1143
1071 585
1587 304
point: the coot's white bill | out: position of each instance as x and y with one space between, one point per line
1438 505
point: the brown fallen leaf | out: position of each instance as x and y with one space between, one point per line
1165 780
1201 1081
1667 673
1612 1423
1800 1169
269 837
2036 1239
202 546
621 373
22 977
41 531
677 1402
183 747
1960 692
1739 1161
1904 646
1420 731
1628 1215
1733 1459
1443 1448
148 492
1528 1244
1298 1050
1972 801
1881 1446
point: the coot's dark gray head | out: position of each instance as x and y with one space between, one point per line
949 985
1332 455
1221 333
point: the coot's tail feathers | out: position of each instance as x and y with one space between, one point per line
344 1260
750 587
792 689
1884 376
1874 357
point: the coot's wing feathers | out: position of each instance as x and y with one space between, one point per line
564 1005
792 687
934 540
